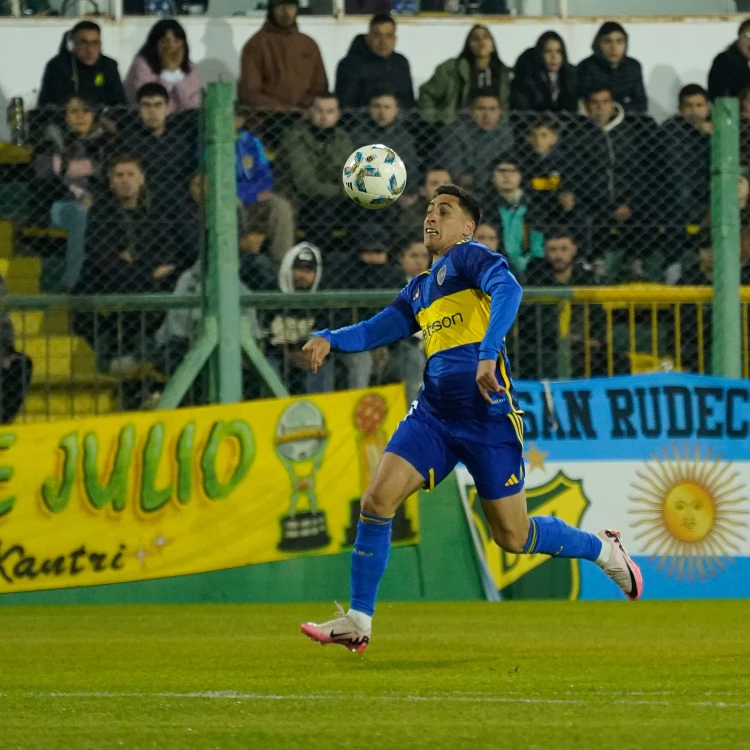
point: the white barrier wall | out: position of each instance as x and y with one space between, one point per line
673 53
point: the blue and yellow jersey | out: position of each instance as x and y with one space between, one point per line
464 307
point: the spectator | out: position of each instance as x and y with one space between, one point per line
15 368
133 244
687 145
71 165
80 68
507 210
730 70
471 145
373 269
610 68
289 329
164 145
477 71
371 61
409 222
415 260
488 236
281 68
558 266
385 125
312 154
165 59
544 79
270 212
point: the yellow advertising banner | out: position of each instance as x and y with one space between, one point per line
156 494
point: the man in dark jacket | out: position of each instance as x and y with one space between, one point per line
81 68
730 70
281 68
371 60
610 68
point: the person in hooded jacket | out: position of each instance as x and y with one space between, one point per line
610 68
281 68
287 330
477 71
371 61
80 68
544 79
730 70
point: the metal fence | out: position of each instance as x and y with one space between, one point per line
114 203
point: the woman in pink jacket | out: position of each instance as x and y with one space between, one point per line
165 59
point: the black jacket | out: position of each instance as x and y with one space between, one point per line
625 81
362 73
729 74
64 76
531 89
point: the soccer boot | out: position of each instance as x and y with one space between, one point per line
619 567
341 629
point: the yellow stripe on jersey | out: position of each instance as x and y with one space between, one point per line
517 423
454 320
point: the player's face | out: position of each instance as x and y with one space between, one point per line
613 47
325 113
446 224
695 108
487 235
384 110
126 180
415 259
153 111
542 140
553 55
433 180
560 252
601 107
78 116
486 112
381 39
506 177
480 43
284 15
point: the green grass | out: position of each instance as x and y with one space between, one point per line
550 676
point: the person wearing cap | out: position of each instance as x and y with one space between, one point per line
610 68
281 68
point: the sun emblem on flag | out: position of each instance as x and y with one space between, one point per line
689 512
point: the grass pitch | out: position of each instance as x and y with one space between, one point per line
550 676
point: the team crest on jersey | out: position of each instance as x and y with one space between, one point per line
441 275
247 162
416 295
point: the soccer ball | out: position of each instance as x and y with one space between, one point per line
374 176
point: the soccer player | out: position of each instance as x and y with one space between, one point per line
466 411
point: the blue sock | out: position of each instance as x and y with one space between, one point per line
549 535
369 560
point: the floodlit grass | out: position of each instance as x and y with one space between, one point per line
551 676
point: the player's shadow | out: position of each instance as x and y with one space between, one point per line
218 37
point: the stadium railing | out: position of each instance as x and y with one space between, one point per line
117 340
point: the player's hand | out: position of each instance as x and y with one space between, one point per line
316 350
486 379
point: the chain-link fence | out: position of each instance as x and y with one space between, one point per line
112 203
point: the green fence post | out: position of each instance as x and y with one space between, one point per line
222 282
726 346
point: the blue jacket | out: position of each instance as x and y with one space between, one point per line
520 244
253 168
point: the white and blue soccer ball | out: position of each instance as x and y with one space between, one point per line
374 176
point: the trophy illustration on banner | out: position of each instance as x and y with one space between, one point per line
301 440
369 414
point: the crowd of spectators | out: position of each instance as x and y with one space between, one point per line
579 185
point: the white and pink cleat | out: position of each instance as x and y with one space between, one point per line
342 630
619 567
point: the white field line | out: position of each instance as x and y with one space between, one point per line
446 698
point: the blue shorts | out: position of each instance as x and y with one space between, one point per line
492 450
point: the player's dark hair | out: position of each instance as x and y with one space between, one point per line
152 89
126 159
465 199
379 18
692 89
744 26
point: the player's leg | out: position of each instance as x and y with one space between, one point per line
417 456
